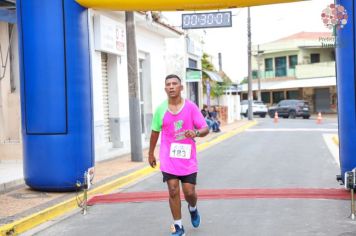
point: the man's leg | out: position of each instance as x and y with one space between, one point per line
190 194
191 197
174 198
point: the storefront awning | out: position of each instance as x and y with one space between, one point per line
292 84
213 76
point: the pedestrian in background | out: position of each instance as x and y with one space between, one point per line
206 115
213 113
179 121
213 124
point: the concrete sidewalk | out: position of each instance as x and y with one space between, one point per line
21 202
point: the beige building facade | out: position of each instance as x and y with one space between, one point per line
300 66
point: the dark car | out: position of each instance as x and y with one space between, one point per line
291 109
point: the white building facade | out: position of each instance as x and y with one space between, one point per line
184 57
110 77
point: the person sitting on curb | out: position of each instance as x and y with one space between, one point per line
204 112
213 125
213 113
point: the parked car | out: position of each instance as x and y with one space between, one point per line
258 108
291 109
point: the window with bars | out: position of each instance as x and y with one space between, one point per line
314 58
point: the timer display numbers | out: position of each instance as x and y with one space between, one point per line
207 20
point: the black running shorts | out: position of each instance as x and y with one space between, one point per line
191 179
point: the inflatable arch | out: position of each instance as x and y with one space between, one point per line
174 5
56 94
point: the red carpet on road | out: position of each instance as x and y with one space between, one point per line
206 194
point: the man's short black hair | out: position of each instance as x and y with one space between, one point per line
171 76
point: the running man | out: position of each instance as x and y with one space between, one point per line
180 121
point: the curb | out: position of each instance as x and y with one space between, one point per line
12 184
38 218
43 216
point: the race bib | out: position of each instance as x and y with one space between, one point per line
179 150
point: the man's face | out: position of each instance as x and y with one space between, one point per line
173 87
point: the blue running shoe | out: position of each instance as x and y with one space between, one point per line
177 231
195 217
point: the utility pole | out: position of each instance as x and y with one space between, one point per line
220 62
134 100
259 73
250 96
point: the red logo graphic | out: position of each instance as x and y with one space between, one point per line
334 16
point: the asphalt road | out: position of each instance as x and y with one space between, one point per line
290 154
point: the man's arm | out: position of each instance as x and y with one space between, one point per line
203 132
153 143
196 133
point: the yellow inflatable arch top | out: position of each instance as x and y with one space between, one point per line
174 5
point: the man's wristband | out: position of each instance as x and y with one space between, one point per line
197 133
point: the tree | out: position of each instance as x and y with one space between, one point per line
216 88
208 66
244 81
206 63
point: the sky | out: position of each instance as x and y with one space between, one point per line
268 23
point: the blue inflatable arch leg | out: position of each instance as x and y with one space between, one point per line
346 83
56 97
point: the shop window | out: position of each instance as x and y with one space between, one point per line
293 94
266 97
277 96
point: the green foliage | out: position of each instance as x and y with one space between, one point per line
244 81
216 88
206 63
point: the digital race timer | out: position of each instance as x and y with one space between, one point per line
206 20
